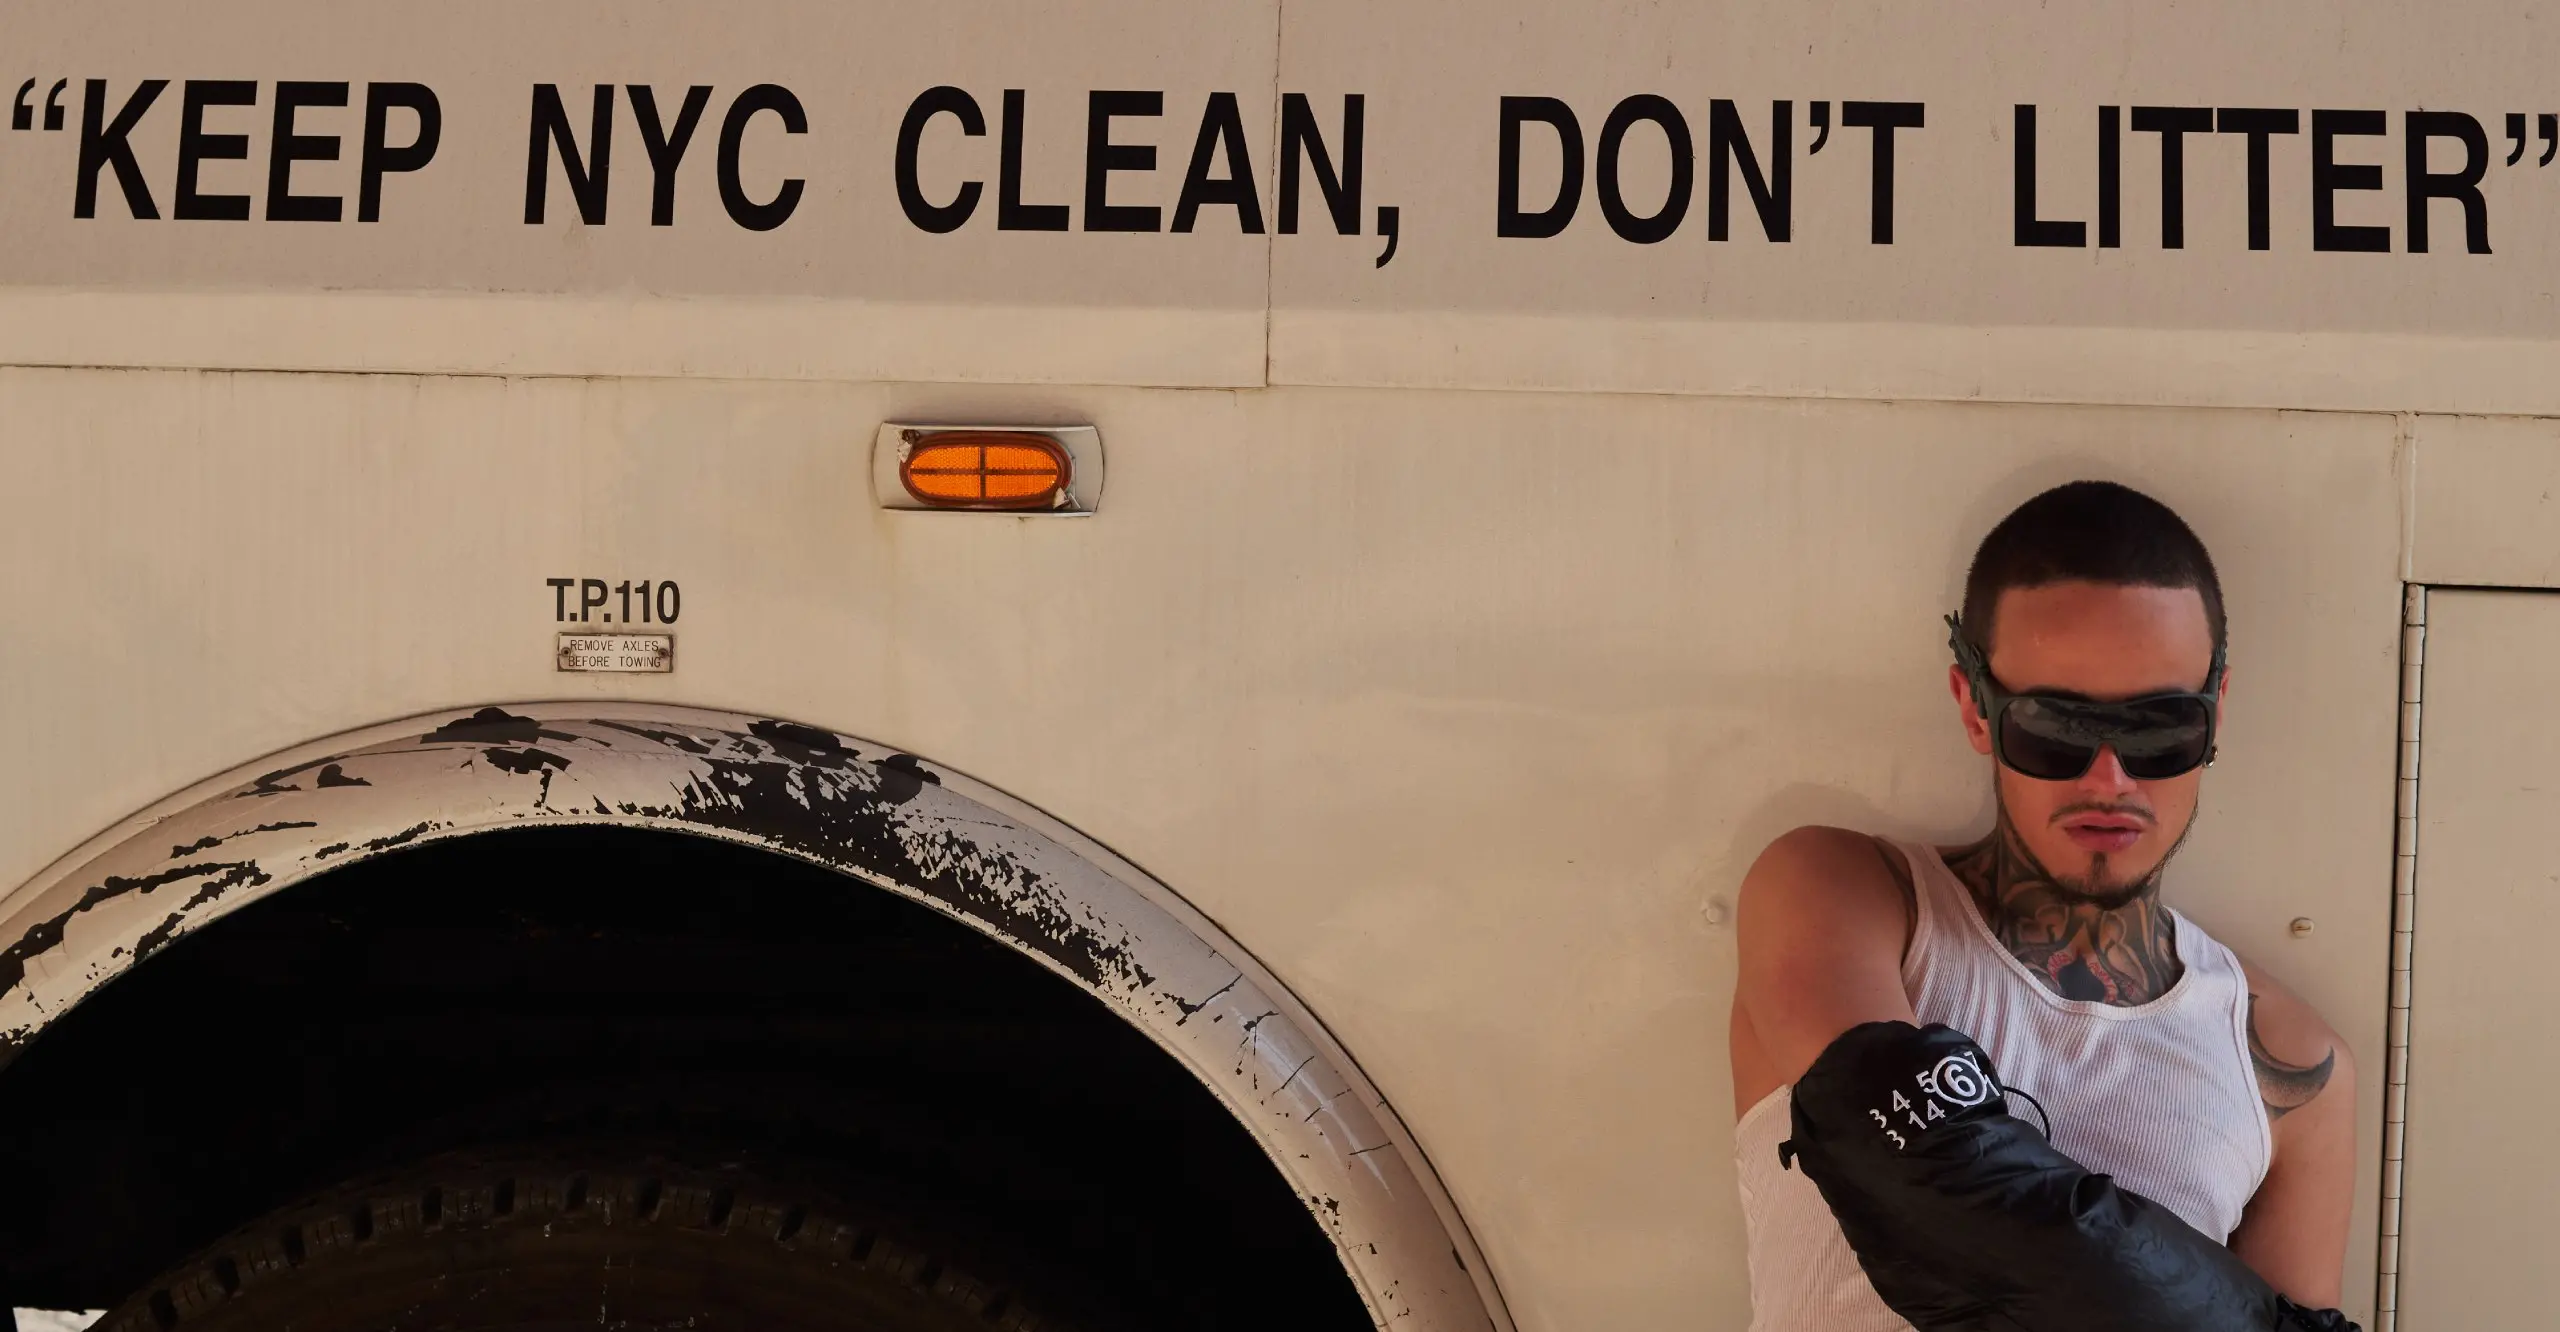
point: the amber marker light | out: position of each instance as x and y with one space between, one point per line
985 469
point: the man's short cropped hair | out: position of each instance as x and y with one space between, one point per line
2088 531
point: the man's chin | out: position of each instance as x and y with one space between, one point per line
2107 882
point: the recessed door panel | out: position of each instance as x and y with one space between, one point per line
2482 1184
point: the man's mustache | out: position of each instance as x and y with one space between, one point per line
2140 813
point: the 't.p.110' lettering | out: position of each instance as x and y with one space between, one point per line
635 601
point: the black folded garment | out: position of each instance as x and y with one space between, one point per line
1965 1218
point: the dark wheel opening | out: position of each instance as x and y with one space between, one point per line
551 1243
629 1005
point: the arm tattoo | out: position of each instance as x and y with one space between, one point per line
2285 1087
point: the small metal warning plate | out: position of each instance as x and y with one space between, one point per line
636 653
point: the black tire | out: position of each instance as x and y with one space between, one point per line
547 1244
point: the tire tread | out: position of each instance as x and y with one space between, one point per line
491 1195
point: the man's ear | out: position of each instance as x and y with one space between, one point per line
1976 729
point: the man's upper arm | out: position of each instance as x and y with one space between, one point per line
1823 918
2294 1232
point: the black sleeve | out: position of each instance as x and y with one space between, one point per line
1966 1218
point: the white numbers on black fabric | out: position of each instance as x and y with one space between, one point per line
1956 1079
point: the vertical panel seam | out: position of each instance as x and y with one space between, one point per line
2405 458
2404 884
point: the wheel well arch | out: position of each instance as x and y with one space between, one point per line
889 819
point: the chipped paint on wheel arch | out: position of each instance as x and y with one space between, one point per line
885 817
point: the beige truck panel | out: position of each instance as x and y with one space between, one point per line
1464 712
2478 1203
2487 508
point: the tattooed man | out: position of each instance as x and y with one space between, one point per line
2090 672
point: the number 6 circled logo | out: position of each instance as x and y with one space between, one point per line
1960 1080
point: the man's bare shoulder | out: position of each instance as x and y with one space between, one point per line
1839 875
2295 1053
1822 925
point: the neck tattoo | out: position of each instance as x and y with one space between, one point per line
2115 949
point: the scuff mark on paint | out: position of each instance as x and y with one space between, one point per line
1189 1009
803 744
903 777
46 935
1293 1075
273 783
492 726
403 837
671 739
524 760
817 797
167 929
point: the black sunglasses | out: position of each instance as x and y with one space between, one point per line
2055 737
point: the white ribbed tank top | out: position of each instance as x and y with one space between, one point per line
2160 1095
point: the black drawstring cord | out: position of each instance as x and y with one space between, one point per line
2039 1105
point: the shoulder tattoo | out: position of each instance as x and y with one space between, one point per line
2285 1087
